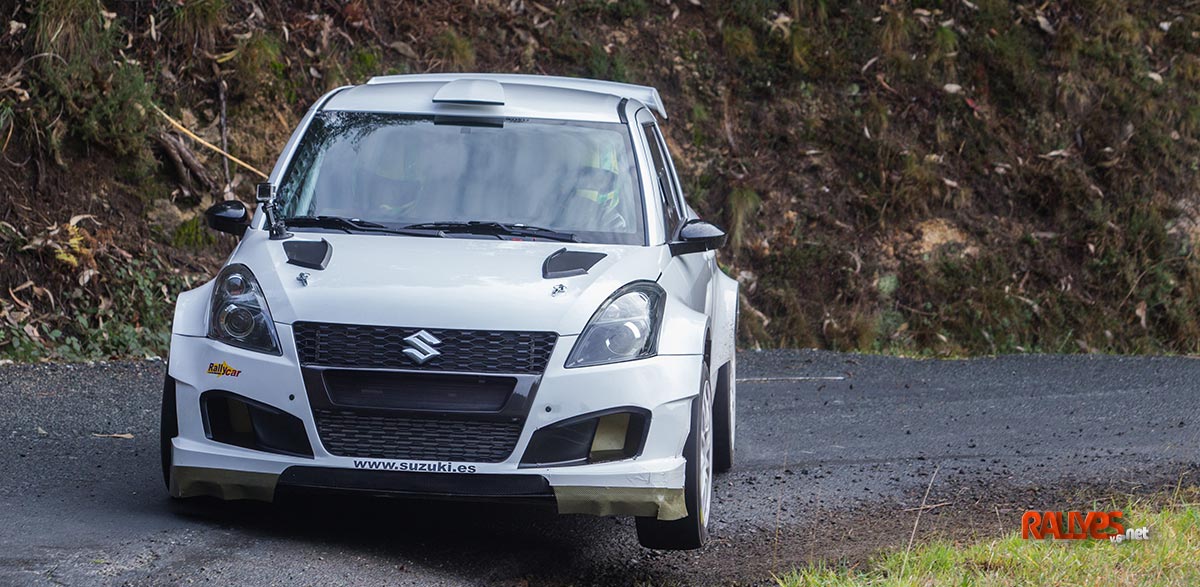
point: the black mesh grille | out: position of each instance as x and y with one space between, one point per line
474 351
354 434
390 390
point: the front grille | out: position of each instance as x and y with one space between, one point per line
418 391
473 351
355 434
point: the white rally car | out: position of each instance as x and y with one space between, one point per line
484 287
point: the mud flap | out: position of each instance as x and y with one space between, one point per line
222 484
663 503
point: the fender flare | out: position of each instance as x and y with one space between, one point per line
683 330
190 308
725 313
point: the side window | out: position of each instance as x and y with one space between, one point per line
666 186
677 188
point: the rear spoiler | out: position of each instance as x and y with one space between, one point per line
644 94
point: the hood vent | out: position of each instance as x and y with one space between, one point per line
564 263
308 254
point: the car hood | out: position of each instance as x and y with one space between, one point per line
455 283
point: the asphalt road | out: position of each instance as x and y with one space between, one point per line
832 450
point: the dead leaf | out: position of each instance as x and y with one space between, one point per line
123 435
870 62
87 276
1158 79
1056 154
404 49
13 294
952 88
1044 24
79 217
1140 312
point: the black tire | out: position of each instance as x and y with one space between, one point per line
168 428
724 418
690 532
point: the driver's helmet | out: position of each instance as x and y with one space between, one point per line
383 177
604 157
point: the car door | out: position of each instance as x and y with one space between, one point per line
690 276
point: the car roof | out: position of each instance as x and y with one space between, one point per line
508 95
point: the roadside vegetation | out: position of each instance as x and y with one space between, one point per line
1170 557
926 177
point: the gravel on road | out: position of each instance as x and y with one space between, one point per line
834 452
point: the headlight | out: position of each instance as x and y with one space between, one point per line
623 329
239 315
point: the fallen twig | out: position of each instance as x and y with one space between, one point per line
926 508
913 536
193 136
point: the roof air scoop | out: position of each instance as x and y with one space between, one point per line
480 92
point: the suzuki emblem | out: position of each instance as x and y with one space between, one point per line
421 347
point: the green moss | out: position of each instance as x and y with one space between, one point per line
739 43
602 65
699 119
364 64
627 9
193 235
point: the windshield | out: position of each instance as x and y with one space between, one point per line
397 170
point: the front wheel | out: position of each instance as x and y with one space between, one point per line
690 532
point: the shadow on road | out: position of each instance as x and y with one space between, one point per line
507 543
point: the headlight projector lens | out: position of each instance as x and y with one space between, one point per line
235 285
237 322
625 340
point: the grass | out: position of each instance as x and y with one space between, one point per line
90 91
1170 557
743 205
197 21
456 51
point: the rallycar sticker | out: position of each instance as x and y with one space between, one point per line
223 369
415 467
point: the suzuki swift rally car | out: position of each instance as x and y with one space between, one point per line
481 287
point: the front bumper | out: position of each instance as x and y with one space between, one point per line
650 484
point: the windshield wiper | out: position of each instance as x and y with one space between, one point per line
496 228
351 225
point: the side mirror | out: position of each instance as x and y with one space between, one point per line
697 236
230 216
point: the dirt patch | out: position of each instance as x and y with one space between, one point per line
936 234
